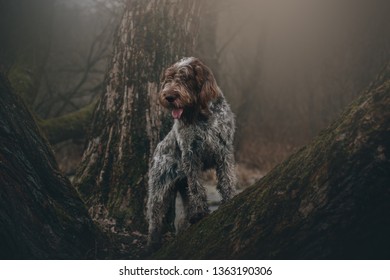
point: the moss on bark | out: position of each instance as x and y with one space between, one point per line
70 126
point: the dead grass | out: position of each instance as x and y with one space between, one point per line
264 155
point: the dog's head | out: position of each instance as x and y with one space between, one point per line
187 88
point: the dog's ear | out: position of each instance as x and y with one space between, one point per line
208 88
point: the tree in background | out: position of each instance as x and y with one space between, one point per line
294 65
81 44
25 37
55 54
128 121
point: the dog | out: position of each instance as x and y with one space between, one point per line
201 138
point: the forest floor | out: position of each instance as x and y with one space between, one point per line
246 176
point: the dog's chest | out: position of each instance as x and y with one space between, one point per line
198 140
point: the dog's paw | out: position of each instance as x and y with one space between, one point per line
154 241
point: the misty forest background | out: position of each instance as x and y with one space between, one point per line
288 69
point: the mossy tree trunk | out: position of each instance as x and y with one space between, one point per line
41 214
70 126
128 122
330 200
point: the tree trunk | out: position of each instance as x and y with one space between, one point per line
128 122
41 215
330 200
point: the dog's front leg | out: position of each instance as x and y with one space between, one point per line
163 174
226 174
197 198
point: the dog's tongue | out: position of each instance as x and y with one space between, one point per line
176 113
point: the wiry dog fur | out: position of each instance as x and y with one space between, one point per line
201 138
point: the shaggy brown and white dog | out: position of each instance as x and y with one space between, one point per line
201 138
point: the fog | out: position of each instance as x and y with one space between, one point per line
295 65
288 67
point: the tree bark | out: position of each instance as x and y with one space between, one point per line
128 122
41 214
330 200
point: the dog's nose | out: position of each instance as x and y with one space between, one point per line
170 98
